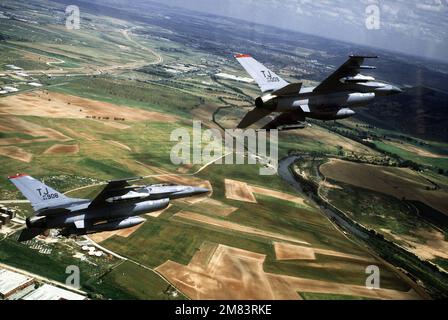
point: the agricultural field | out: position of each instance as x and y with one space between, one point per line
112 93
178 236
403 184
378 197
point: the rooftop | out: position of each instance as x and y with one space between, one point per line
10 280
49 292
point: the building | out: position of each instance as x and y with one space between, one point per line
49 292
13 67
21 74
35 84
12 283
5 218
10 212
9 89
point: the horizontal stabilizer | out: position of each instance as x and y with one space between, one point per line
289 90
286 120
28 234
253 116
51 212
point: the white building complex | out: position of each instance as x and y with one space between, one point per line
17 286
48 292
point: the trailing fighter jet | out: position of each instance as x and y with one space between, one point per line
117 206
333 99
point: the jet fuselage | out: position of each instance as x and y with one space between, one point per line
332 99
117 206
327 106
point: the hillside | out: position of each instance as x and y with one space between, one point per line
419 111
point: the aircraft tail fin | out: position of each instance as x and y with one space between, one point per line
40 195
266 79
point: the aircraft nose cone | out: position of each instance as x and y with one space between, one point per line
189 192
398 90
395 90
199 190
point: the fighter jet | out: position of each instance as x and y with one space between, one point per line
332 99
117 206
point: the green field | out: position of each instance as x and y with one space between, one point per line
375 209
441 163
52 266
129 281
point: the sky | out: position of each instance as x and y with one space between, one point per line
417 27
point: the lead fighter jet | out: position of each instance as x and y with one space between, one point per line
117 206
333 99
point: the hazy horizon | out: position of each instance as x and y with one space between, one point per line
413 27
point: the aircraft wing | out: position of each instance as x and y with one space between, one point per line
286 119
266 79
349 69
113 189
253 116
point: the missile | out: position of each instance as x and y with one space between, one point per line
344 113
106 226
356 79
116 224
132 195
292 127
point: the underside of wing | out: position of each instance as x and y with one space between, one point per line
348 72
113 189
253 116
287 120
289 90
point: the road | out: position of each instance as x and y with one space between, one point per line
13 201
98 246
159 57
89 70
